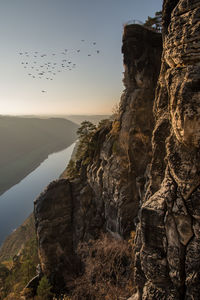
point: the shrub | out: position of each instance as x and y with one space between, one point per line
71 170
23 268
115 112
84 152
104 123
115 127
108 270
85 131
44 289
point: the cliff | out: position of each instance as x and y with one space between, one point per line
168 234
106 194
140 172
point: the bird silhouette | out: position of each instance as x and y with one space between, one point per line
37 62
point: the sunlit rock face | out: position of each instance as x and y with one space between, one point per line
118 174
167 264
106 196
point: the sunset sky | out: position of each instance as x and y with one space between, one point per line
58 28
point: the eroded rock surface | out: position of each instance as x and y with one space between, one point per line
168 240
107 194
118 173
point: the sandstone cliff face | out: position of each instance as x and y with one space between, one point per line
107 194
117 175
167 264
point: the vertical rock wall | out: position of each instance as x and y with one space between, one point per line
167 260
106 196
118 173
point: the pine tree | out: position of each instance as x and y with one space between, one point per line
44 289
86 130
155 22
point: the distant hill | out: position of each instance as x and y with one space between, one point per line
74 118
15 242
26 142
92 118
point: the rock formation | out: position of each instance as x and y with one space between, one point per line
167 264
106 195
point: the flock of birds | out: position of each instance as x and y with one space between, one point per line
47 66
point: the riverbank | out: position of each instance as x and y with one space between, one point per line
26 142
16 204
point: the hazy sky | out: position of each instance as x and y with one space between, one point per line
49 27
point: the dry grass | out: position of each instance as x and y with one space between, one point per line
108 270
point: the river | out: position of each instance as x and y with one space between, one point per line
16 204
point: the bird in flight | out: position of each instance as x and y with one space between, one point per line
38 65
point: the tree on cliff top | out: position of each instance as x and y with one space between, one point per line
155 22
84 150
86 131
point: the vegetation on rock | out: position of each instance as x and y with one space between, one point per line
107 271
155 22
44 289
15 242
15 274
86 147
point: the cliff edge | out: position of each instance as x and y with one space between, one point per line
106 194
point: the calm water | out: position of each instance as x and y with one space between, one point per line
17 203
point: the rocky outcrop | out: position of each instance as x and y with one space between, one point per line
117 175
107 194
168 239
53 222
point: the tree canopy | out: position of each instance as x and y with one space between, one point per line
155 22
86 130
44 289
